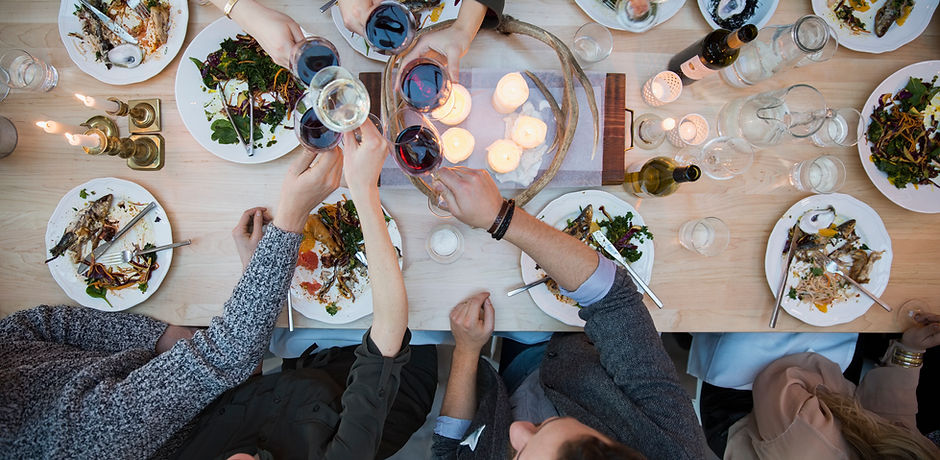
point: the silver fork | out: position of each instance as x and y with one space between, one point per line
139 8
833 267
126 256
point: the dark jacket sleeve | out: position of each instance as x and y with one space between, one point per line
631 352
494 15
444 448
370 391
84 328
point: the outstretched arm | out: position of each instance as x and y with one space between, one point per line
276 32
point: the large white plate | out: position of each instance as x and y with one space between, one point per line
153 228
869 228
350 311
602 14
557 213
896 37
192 96
765 9
924 199
359 44
84 57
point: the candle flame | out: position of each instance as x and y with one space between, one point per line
73 140
87 100
46 125
668 124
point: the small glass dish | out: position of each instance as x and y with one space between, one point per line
444 244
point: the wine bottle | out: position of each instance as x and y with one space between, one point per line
716 51
660 176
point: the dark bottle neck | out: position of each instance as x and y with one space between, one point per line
740 37
687 174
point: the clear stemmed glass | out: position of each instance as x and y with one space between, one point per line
311 132
311 55
416 147
342 101
424 84
720 158
390 28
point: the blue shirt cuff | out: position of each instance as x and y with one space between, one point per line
597 286
451 428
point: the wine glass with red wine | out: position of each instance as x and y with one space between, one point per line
311 132
416 147
390 28
311 55
424 84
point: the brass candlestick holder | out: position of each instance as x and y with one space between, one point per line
143 114
142 151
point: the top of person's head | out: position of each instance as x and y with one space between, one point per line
594 448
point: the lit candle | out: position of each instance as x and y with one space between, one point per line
503 156
457 107
658 89
106 105
83 140
668 124
53 127
511 92
529 132
458 144
687 131
649 130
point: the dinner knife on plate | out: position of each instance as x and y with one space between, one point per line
103 247
231 120
797 234
609 248
110 24
531 285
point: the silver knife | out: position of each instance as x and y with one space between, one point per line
231 120
610 249
109 23
251 122
102 248
531 285
797 234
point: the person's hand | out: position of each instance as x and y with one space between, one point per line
310 179
452 43
472 322
276 32
355 13
363 159
248 232
924 334
173 334
470 194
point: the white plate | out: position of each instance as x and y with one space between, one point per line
896 37
557 213
604 15
924 199
869 228
350 311
359 44
192 96
148 230
84 57
765 9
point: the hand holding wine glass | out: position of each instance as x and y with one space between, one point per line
276 32
453 42
310 179
363 157
471 195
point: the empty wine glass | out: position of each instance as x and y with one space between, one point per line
592 43
725 157
416 147
841 127
311 132
311 55
342 101
424 84
390 28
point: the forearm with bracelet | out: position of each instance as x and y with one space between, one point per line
501 224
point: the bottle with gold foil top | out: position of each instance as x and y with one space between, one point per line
717 50
660 176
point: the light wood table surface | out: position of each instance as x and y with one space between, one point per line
205 195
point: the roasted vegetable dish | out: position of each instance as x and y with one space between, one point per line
891 12
336 227
902 133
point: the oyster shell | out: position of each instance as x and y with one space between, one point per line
126 55
814 220
729 8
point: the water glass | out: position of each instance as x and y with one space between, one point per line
592 43
825 174
708 236
23 71
725 157
841 128
8 137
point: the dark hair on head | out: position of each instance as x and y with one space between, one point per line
593 448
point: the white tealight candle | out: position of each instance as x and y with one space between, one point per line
503 156
456 109
658 89
529 132
83 140
687 130
511 92
106 105
457 144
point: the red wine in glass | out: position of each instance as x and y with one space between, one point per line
313 134
417 150
425 85
312 56
390 28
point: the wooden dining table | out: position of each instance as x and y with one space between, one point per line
205 195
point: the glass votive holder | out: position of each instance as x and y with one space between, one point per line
824 174
23 71
708 236
592 43
691 129
8 137
649 130
444 244
840 128
662 89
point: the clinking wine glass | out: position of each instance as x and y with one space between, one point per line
342 101
416 147
390 28
311 132
424 84
311 55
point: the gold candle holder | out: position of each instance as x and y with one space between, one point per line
142 151
143 114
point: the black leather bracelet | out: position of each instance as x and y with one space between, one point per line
506 220
499 217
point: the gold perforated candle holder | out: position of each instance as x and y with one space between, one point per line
143 115
142 151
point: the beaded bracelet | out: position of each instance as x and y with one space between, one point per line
506 220
499 217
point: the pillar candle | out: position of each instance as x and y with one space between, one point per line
503 156
511 92
529 132
458 144
457 107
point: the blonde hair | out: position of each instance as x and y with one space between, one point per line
871 435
